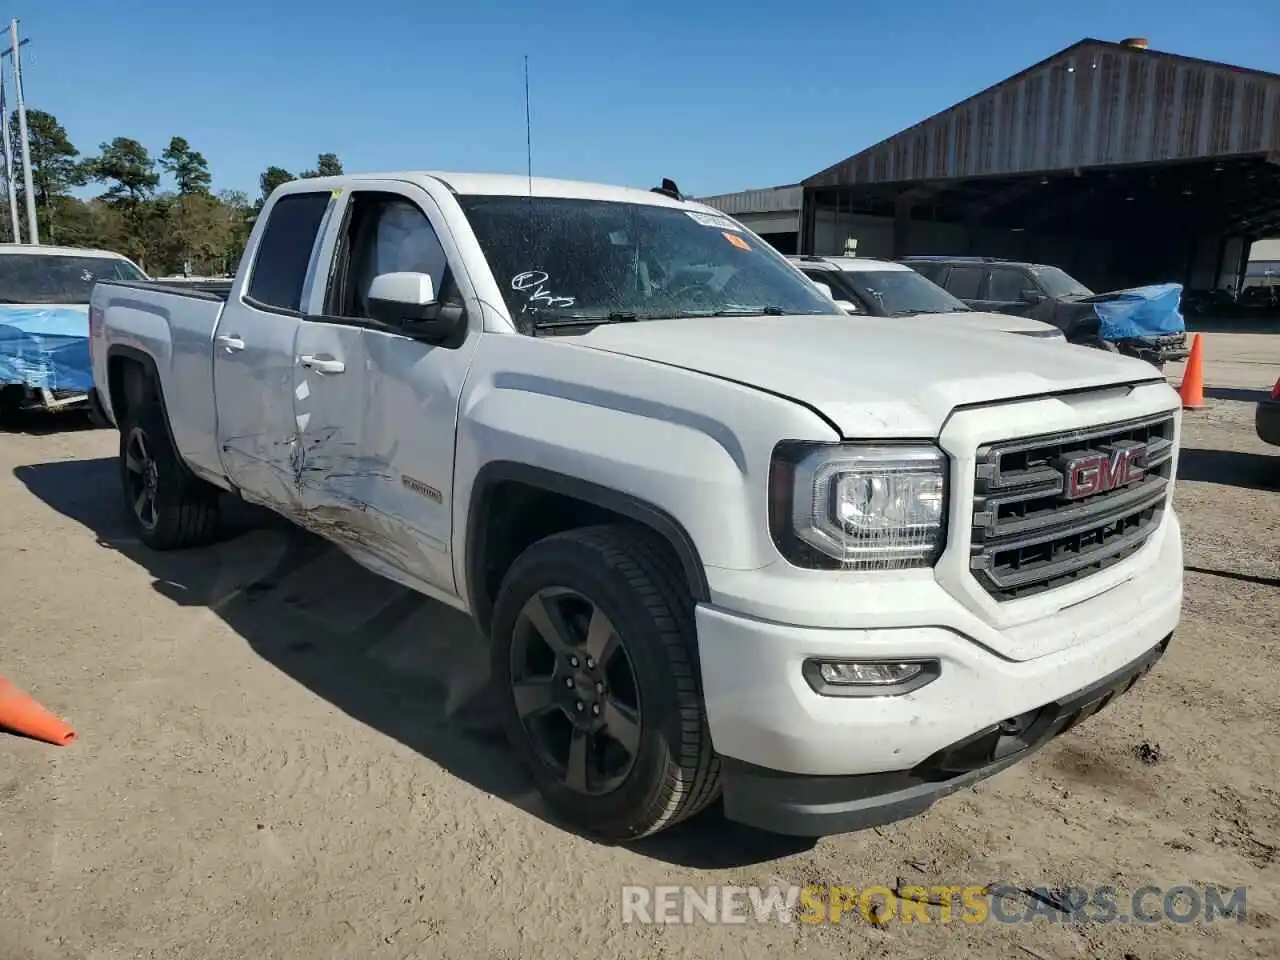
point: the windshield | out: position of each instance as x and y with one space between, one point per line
52 278
1056 283
559 260
900 293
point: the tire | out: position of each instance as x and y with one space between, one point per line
625 574
180 510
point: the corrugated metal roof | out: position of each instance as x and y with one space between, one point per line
1093 104
768 200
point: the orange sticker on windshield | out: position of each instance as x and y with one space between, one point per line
736 240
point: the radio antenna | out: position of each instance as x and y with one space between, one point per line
528 126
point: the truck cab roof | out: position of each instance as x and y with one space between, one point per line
503 184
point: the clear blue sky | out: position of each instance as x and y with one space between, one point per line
720 96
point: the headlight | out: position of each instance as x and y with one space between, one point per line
859 507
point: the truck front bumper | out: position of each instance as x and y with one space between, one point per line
823 805
803 762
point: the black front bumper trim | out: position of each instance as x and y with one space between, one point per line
817 806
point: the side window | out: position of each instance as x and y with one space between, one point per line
930 271
964 282
280 266
1006 285
839 290
386 233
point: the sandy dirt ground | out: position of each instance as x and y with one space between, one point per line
283 756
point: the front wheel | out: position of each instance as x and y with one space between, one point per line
169 508
595 657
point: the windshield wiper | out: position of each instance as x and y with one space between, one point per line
766 311
583 320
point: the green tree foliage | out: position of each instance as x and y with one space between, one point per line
55 168
189 168
164 231
271 178
327 165
127 170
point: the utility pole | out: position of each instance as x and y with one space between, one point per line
8 166
33 231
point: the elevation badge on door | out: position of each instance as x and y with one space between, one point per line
418 487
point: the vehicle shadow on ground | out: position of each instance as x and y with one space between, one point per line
1233 575
1243 394
43 423
1234 468
407 666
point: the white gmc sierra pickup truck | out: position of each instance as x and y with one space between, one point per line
722 538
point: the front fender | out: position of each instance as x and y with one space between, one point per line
689 447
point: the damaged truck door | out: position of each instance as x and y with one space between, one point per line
254 342
384 446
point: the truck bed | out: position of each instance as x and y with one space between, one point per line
198 289
172 324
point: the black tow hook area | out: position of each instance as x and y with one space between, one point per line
1029 730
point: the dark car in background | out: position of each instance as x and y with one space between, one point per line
1144 322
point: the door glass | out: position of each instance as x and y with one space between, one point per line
388 234
280 267
1006 285
964 282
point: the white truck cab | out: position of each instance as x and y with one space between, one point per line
866 286
720 539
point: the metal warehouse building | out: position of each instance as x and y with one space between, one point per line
1121 164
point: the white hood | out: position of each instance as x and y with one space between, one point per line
1006 323
875 377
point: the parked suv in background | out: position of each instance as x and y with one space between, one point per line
881 288
1052 295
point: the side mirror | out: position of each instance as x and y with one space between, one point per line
848 306
1033 296
408 301
824 288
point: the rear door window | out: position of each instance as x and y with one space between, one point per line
284 252
930 271
964 282
1006 284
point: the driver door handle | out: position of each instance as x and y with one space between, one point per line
231 344
322 364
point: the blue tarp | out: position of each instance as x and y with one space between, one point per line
45 347
1141 312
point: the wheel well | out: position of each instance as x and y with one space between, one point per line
131 384
510 515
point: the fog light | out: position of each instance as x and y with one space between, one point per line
869 678
879 673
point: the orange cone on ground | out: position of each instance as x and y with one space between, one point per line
1192 388
21 714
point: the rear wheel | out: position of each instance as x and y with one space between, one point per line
594 655
170 508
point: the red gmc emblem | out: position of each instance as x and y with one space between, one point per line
1101 470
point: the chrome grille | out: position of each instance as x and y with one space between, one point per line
1028 537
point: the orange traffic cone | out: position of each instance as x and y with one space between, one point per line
21 714
1192 388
